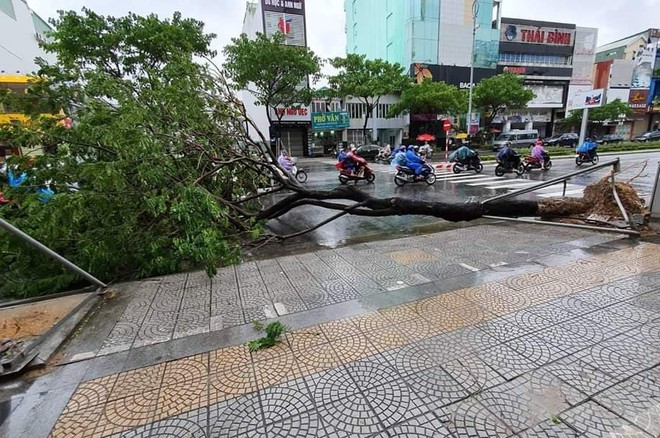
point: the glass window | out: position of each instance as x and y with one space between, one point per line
7 7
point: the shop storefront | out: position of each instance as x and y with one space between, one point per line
542 53
328 131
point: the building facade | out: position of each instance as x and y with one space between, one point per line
629 69
291 127
21 30
552 58
434 32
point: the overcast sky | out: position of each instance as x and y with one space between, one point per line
325 18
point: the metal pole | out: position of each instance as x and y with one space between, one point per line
559 224
620 205
583 127
475 11
553 181
446 146
43 248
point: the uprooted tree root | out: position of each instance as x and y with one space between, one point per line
598 199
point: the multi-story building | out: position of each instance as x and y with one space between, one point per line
21 29
291 125
629 69
551 57
430 32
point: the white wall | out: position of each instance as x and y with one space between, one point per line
253 23
18 43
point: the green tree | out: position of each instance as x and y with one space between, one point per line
610 111
154 148
275 73
367 80
499 93
430 97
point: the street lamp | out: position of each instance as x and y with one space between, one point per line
475 12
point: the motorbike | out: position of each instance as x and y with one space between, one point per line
584 157
533 163
383 159
472 163
298 172
509 167
405 175
346 175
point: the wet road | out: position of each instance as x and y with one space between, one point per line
448 188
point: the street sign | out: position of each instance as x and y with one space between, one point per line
446 125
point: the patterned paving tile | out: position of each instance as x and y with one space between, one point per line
307 424
236 417
550 429
395 402
581 375
127 413
138 381
506 361
535 349
472 374
372 371
331 385
637 400
410 359
470 418
436 387
351 416
593 420
611 360
424 426
286 400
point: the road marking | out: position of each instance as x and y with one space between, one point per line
559 194
468 267
453 181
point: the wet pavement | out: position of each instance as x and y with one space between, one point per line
448 188
483 331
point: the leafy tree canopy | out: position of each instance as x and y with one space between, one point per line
275 73
367 80
153 149
499 93
430 97
610 111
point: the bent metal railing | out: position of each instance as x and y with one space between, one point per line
46 250
616 168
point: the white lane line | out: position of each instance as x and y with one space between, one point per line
559 186
453 181
502 181
512 187
468 267
559 193
457 176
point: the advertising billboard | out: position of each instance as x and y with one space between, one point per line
516 33
284 6
643 69
330 121
589 99
546 96
287 17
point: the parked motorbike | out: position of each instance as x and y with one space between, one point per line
405 175
584 157
533 163
509 167
472 163
346 175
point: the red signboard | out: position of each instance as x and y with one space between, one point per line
446 125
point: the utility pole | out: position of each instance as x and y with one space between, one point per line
583 127
475 12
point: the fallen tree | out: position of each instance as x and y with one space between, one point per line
167 174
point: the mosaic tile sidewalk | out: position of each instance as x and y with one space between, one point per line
180 306
569 351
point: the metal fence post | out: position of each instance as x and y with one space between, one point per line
43 248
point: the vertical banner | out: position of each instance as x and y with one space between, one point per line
287 17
